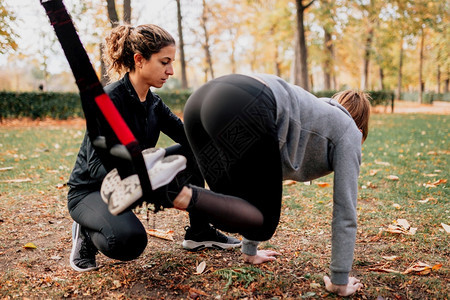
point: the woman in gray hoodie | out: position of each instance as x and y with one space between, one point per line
249 134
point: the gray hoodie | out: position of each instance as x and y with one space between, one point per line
317 137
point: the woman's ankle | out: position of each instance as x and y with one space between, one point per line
183 199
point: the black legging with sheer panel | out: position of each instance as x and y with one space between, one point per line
230 125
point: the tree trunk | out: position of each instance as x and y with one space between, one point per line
114 20
438 73
381 79
184 83
104 78
328 62
206 45
232 54
301 54
400 65
365 78
421 83
277 62
127 11
438 79
112 13
446 82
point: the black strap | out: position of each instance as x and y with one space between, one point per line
98 108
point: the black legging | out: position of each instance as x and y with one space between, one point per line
123 237
230 124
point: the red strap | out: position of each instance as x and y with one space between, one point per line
114 119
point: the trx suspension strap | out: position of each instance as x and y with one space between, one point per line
97 106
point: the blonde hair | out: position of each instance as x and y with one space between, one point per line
125 40
357 103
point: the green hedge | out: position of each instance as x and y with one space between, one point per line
39 105
378 97
427 98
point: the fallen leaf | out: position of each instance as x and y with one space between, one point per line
384 270
427 199
392 257
29 246
401 226
18 180
373 172
200 268
162 234
393 177
382 163
289 182
436 183
397 206
446 227
421 268
430 175
6 168
323 184
60 185
195 293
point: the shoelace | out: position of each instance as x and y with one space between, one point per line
87 250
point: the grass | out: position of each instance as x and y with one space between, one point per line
415 148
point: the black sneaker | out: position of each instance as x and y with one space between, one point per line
209 238
82 257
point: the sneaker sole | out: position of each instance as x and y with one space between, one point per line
112 179
75 233
196 246
129 190
152 156
109 184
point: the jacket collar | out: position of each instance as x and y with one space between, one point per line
131 91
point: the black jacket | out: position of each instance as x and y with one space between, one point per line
146 121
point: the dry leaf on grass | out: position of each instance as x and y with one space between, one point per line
289 182
435 183
382 163
6 168
162 234
196 293
392 257
384 270
401 226
421 268
200 268
18 180
427 199
393 177
396 205
61 185
29 246
323 184
373 172
418 268
446 227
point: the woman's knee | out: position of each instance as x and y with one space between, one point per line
126 244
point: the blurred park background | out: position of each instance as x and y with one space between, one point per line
399 47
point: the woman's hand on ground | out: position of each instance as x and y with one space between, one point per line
261 257
342 290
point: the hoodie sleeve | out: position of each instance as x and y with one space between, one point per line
346 164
